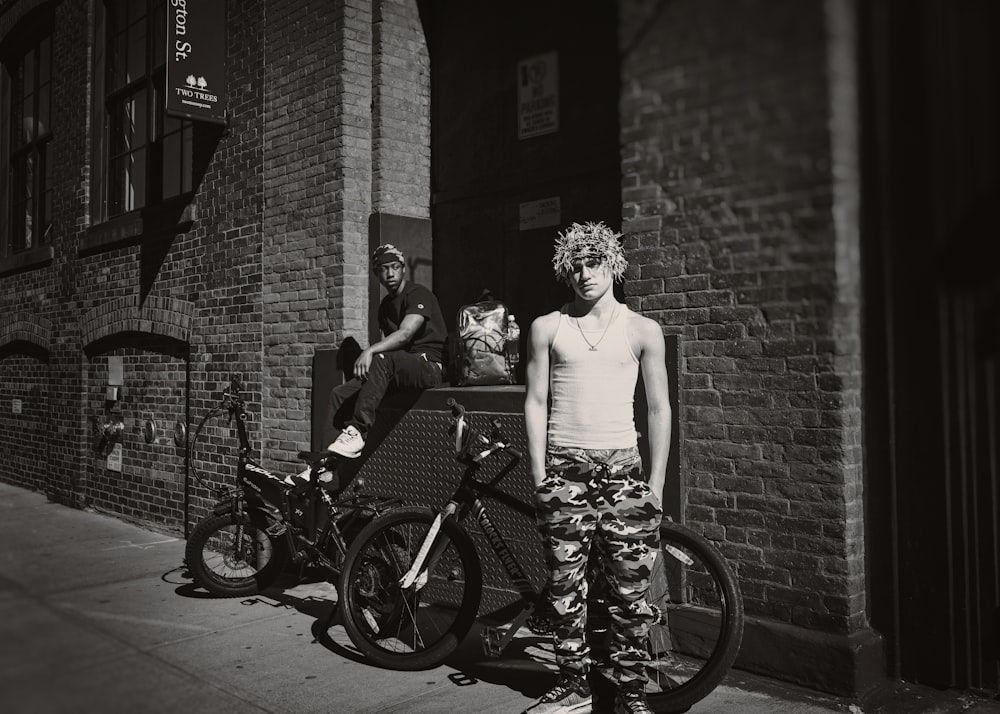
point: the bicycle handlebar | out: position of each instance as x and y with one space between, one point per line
464 437
461 429
232 399
457 410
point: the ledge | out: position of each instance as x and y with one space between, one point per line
500 399
26 260
120 231
841 664
174 216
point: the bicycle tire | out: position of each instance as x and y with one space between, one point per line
699 637
228 567
419 629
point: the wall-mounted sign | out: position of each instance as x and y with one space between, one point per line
540 214
116 371
538 95
15 406
115 459
196 59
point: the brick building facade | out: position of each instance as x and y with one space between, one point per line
245 275
735 169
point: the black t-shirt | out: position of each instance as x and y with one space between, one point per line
415 299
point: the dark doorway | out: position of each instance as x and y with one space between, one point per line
932 107
510 168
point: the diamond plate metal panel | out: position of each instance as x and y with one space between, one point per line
414 461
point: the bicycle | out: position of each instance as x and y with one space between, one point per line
411 584
262 522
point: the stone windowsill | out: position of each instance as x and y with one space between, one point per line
26 260
174 216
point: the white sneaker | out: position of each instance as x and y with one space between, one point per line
324 477
349 443
304 476
570 695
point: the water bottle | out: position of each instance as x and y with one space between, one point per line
511 345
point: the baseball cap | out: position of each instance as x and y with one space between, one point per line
387 253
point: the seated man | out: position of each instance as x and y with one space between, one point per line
408 355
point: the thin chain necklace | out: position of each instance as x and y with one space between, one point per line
593 345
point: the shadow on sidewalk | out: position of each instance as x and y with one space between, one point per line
527 665
308 593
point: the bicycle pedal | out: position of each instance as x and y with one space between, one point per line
492 639
276 528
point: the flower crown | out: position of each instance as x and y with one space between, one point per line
588 240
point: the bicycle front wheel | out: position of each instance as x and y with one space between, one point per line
415 627
701 624
231 557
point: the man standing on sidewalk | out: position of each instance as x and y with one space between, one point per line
409 354
584 459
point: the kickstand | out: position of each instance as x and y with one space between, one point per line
494 643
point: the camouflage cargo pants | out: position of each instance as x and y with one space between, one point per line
599 496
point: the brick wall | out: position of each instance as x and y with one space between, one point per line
50 428
217 263
315 144
24 409
401 126
742 240
150 485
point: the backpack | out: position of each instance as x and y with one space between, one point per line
479 345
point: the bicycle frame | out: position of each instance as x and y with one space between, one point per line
474 491
468 499
695 612
268 496
251 478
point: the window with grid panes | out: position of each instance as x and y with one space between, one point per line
147 155
29 184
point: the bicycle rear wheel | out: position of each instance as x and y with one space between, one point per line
701 627
417 627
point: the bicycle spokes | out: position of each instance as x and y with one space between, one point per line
408 613
237 551
693 609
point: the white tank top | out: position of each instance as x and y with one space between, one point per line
592 390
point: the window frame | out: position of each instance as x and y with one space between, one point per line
115 103
30 40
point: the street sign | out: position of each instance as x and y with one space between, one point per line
196 60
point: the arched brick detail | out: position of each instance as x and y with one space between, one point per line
24 327
164 316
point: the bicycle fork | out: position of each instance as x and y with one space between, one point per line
416 576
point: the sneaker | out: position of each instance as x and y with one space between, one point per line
349 443
631 698
570 695
298 479
304 476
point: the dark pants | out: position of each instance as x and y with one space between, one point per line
354 402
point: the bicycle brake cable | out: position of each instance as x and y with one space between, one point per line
194 443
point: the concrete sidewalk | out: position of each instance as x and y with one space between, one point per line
97 615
